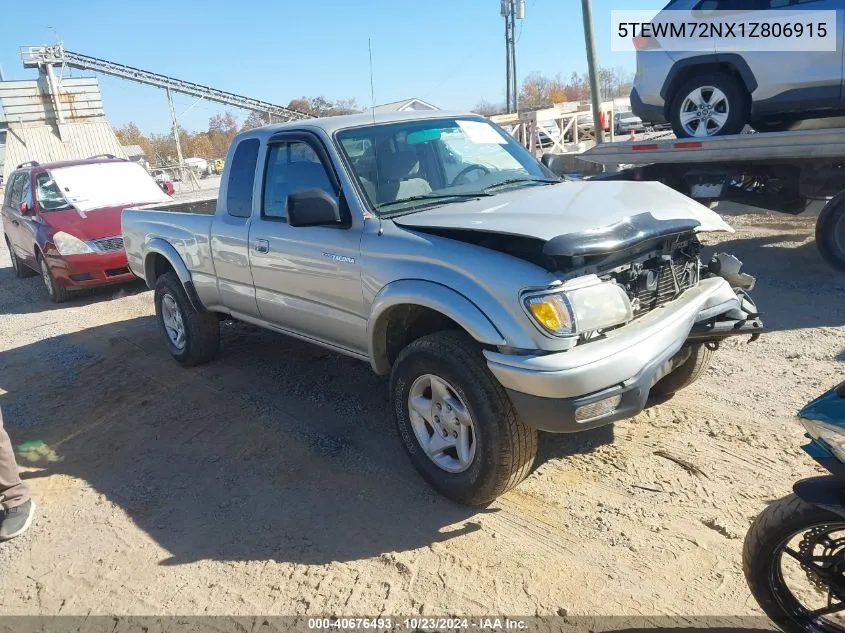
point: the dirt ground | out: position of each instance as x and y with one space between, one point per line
271 480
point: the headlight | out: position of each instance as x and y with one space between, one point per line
582 305
831 436
67 244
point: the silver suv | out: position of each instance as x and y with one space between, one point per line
710 94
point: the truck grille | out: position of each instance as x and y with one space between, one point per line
109 244
646 299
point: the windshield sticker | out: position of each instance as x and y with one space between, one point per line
482 133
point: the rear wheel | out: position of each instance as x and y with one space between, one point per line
707 105
21 269
191 336
686 373
58 293
830 232
456 421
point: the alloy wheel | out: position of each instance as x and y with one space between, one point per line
704 112
442 423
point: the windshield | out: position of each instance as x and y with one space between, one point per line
99 185
402 167
48 194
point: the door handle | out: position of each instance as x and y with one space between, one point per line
261 246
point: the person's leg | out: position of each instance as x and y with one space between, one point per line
13 492
15 503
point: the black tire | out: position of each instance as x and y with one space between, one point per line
733 89
687 373
201 329
830 232
770 531
505 447
21 270
58 293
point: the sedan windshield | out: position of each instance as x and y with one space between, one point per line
402 167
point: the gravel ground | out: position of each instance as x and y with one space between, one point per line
271 481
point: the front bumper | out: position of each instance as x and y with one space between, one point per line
547 390
94 269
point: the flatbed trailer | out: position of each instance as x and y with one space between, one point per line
780 171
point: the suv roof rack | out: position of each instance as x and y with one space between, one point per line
31 163
104 156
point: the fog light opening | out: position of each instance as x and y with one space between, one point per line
597 409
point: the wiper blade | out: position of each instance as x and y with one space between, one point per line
513 181
434 196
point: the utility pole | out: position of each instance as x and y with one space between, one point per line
511 11
587 13
176 135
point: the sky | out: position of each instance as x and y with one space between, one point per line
447 52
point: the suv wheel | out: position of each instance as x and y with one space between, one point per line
456 422
58 293
709 105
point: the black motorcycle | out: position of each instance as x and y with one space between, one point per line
794 553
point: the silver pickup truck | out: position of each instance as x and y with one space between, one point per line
500 299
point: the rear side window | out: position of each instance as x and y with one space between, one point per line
16 190
242 179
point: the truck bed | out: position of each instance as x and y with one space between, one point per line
770 146
205 206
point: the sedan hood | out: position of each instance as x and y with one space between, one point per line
93 225
550 211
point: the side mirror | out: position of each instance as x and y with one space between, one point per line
313 207
25 209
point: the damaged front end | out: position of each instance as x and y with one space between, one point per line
656 262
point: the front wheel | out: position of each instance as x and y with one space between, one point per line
456 421
686 373
830 232
57 292
191 336
794 559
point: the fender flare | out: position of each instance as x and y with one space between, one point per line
427 294
823 492
732 59
158 246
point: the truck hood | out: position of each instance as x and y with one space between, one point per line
550 211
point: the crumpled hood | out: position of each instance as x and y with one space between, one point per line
546 212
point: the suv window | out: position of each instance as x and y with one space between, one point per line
291 167
16 190
242 179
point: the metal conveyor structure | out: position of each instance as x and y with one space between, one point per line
56 55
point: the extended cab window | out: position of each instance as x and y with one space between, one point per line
242 179
292 167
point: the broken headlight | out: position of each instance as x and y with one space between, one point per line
582 305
